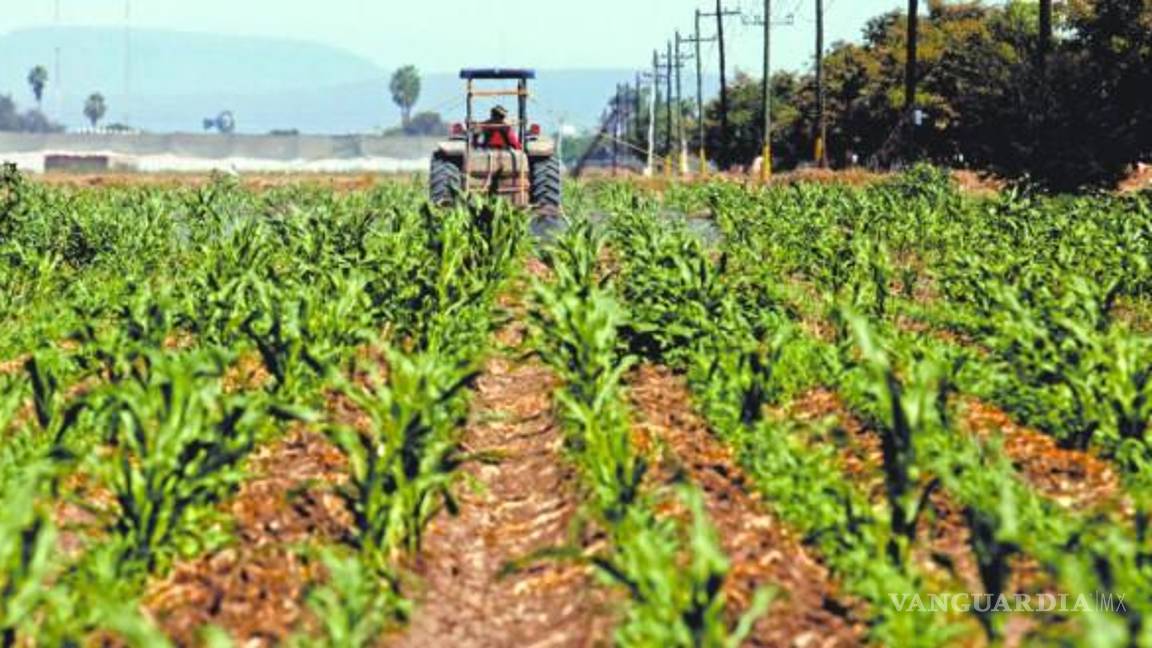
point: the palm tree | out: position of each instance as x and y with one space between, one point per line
405 89
38 78
95 108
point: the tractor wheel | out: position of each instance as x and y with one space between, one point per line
445 181
547 183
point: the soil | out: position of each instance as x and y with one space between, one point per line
255 589
944 541
1078 480
523 502
943 550
343 182
810 609
1139 180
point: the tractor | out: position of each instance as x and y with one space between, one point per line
471 161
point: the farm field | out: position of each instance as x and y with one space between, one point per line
304 414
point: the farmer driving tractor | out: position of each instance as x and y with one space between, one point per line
504 156
497 133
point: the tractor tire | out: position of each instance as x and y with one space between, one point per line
445 181
547 184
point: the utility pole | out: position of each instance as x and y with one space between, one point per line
701 132
668 121
723 80
766 88
821 118
766 152
720 14
653 97
1045 28
910 73
637 112
681 131
616 133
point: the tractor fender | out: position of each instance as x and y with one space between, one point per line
451 148
541 148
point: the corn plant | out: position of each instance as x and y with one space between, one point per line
226 285
46 397
740 385
355 606
672 287
403 463
576 324
675 574
176 442
1127 391
1077 372
27 544
580 340
302 338
112 338
908 410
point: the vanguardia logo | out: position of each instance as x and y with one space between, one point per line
964 602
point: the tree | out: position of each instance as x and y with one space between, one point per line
741 143
426 123
10 119
38 78
1062 112
405 89
32 121
95 108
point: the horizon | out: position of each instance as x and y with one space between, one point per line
367 48
391 38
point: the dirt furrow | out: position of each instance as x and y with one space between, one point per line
809 609
943 550
520 503
255 590
1076 479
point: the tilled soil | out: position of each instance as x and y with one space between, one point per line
944 547
1076 479
522 501
256 589
809 609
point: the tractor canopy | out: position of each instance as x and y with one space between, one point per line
496 74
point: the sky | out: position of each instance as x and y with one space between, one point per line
444 35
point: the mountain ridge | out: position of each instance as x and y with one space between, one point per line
178 78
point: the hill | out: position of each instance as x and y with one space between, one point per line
179 78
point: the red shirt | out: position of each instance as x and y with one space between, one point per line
501 138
